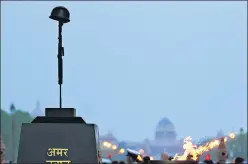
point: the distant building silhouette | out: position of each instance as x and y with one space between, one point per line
165 140
220 133
37 111
165 130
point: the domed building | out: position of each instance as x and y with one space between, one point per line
165 139
165 130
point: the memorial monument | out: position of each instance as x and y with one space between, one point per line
59 136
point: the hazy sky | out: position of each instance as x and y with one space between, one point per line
129 64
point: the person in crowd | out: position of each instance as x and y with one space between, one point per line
190 160
133 156
121 162
239 160
146 160
189 157
115 162
208 159
165 157
208 162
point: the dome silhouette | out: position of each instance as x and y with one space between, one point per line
164 122
165 129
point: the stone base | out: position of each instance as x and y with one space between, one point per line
81 141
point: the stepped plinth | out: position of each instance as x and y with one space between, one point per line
59 137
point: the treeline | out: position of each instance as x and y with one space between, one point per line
10 130
11 126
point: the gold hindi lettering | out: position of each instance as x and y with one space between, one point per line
58 162
57 152
51 152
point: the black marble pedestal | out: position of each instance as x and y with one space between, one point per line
59 137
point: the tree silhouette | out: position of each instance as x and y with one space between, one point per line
12 108
6 130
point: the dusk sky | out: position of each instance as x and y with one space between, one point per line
129 64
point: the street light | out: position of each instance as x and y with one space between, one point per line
62 15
